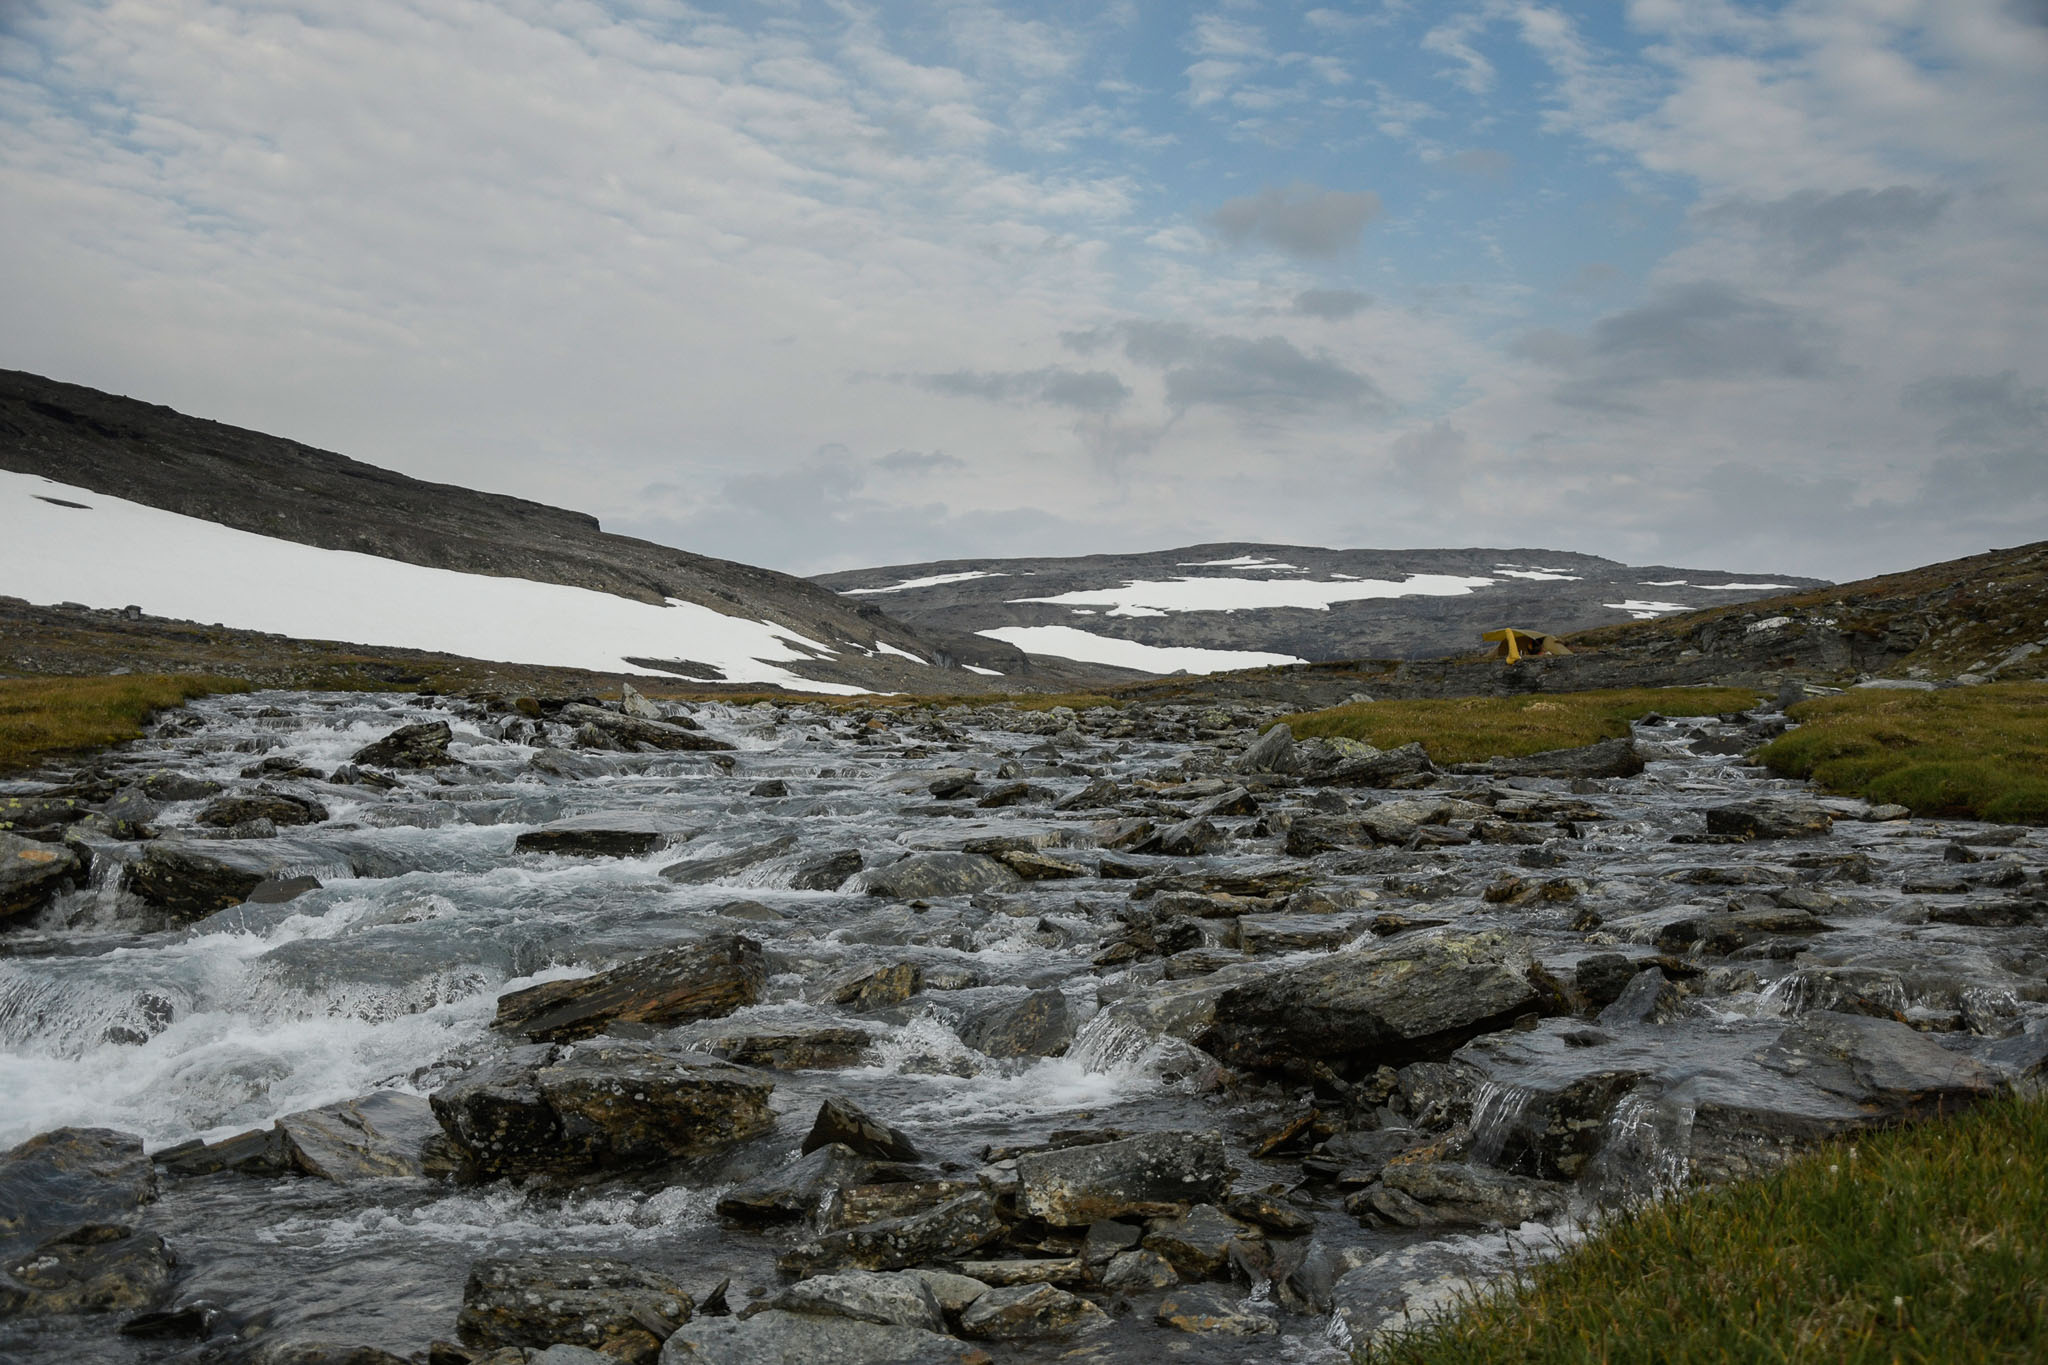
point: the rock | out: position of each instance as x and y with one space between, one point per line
1609 758
1213 1311
774 787
634 703
1064 1270
1138 1272
1770 819
811 1049
1884 1067
1197 1243
699 871
1155 1174
1376 770
945 1233
875 988
794 1191
224 812
281 890
171 785
1272 752
926 876
1039 1025
1036 866
67 1177
95 1268
374 1137
1025 1312
844 1122
1648 998
1419 1194
1602 977
1409 999
30 873
892 1299
1188 839
545 1110
410 746
1401 1290
777 1337
587 1301
704 980
604 834
826 871
625 731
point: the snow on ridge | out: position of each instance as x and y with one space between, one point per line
1071 642
108 552
1723 587
1241 562
1644 611
1256 594
934 581
884 647
1537 574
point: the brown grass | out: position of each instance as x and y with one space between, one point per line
45 718
1473 729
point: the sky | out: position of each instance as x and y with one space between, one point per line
1752 286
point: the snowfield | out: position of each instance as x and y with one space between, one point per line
1144 598
1067 642
911 584
64 544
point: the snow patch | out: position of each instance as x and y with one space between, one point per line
985 672
884 647
1256 594
936 580
108 552
1068 642
1643 611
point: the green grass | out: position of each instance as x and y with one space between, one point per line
1473 729
43 718
1971 752
1915 1245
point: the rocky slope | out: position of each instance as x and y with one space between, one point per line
1287 601
150 455
359 1030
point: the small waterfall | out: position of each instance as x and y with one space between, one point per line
1645 1154
1110 1042
1497 1110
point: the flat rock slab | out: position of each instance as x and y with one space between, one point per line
704 980
794 1191
1616 757
605 1305
945 1233
603 834
891 1299
924 876
780 1337
1212 1311
800 1049
1155 1174
191 880
1770 819
375 1137
1029 1311
1418 1194
410 746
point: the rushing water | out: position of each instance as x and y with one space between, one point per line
386 978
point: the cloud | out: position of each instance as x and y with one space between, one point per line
918 462
1301 220
1265 375
1822 230
1983 410
1081 390
1331 305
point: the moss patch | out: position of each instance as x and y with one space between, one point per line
1473 729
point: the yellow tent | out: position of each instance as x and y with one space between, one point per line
1516 643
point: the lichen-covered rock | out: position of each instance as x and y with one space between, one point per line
1028 1311
373 1137
795 1191
410 746
602 834
893 1299
1198 1243
30 873
279 808
1420 1194
778 1337
841 1121
793 1049
1040 1024
945 1233
718 868
95 1268
925 876
1766 818
623 731
704 980
1155 1174
191 880
1213 1311
604 1305
826 871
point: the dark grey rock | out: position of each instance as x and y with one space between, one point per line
1210 1310
1039 1025
778 1337
30 873
826 871
1770 819
926 876
1272 752
1027 1312
605 834
625 731
889 1298
620 1309
68 1177
1609 758
1421 1194
278 808
843 1122
95 1268
704 980
795 1191
1198 1243
410 746
1155 1174
700 871
945 1233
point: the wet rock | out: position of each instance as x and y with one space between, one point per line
1039 1025
926 876
1411 998
892 1299
811 1049
1272 752
795 1191
945 1233
604 1305
604 834
1421 1194
704 980
67 1177
224 812
1198 1243
170 785
1648 998
1036 866
827 871
778 1337
1138 1272
1027 1312
896 1190
1601 978
273 1352
1724 933
1875 991
1061 1270
43 817
544 1110
1376 770
774 787
373 1137
410 746
1212 1311
258 1152
193 1320
1881 1065
625 731
1154 1174
846 1123
1768 818
96 1268
872 988
30 873
1188 839
1401 1290
280 890
1609 758
700 871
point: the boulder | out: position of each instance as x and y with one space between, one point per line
1882 1066
67 1177
1616 757
1198 1243
1770 819
1189 839
1377 769
704 980
795 1191
826 871
624 731
700 871
553 1110
45 817
945 1233
1420 1194
1213 1311
225 812
802 1049
1138 1272
1154 1174
603 834
1028 1311
873 988
1272 752
1401 1290
843 1122
603 1305
94 1268
1036 865
1040 1024
925 876
1412 999
891 1299
30 873
778 1337
373 1137
410 746
167 784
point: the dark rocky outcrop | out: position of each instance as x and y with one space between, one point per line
1041 1024
279 808
780 1337
925 876
841 1122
